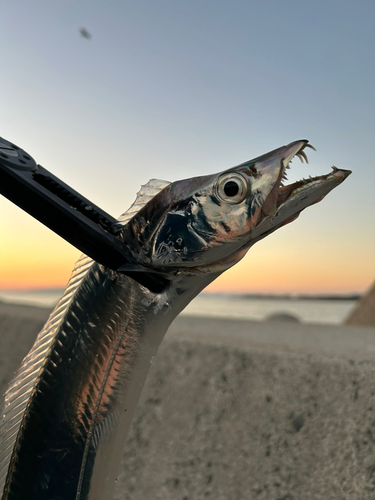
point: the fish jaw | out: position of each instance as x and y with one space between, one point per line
295 198
271 171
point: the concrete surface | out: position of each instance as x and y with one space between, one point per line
364 312
243 410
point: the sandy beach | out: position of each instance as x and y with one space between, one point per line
242 410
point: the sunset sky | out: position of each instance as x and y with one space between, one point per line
175 89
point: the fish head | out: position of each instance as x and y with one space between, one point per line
207 224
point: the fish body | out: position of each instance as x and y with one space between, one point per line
68 410
79 413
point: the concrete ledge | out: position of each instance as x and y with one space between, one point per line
345 342
245 410
226 422
364 312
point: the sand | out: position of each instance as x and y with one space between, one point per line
242 410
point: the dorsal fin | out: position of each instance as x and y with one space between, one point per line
20 389
144 195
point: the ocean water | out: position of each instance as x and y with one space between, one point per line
318 311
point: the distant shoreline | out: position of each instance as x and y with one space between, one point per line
228 295
327 309
298 296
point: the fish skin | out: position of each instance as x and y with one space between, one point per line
71 435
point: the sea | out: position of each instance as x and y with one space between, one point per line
312 310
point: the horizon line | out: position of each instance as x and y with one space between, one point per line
352 294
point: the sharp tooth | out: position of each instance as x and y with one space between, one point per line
300 157
287 167
304 155
310 146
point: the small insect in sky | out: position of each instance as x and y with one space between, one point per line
85 33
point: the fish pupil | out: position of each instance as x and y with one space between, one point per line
231 188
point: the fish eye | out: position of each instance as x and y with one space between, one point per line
231 188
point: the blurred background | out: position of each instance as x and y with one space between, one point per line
107 95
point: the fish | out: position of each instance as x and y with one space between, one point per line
69 407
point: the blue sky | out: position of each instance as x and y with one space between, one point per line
175 89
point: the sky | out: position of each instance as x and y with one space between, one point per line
176 89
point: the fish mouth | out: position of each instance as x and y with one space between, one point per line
285 201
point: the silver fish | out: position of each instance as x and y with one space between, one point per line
68 410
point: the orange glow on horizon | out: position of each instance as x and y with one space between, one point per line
31 256
50 265
52 272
